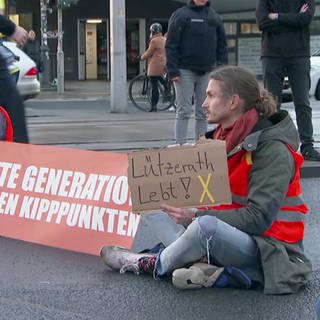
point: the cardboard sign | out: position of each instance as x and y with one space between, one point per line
68 198
183 176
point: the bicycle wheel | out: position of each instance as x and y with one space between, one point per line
139 92
167 95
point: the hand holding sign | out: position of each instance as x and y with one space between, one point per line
182 176
181 216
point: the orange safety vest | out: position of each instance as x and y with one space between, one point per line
9 130
289 223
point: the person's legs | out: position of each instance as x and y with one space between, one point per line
274 72
223 244
154 92
244 252
184 93
163 227
299 77
201 124
11 100
207 236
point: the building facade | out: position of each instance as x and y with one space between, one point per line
86 37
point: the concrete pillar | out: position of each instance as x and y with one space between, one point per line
142 42
44 75
118 85
60 54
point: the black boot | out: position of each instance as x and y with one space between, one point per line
153 109
310 153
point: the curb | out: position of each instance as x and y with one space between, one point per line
310 169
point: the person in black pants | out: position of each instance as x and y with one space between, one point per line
286 52
10 98
156 56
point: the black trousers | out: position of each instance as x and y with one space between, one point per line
11 100
298 72
155 90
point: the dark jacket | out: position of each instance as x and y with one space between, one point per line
7 27
289 35
196 40
285 267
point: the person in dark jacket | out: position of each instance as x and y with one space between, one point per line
196 43
286 52
10 98
256 239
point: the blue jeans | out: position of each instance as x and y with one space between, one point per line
208 236
191 88
163 227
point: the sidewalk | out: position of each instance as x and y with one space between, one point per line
78 90
86 105
39 280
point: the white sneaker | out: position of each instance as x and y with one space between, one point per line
199 275
119 258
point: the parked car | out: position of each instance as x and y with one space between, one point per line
28 83
314 76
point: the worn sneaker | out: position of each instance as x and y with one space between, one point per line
199 275
311 154
123 260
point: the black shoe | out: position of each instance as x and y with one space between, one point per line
311 154
153 109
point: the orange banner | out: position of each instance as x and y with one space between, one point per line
67 198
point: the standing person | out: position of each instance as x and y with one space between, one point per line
196 43
156 56
285 27
257 239
10 98
32 49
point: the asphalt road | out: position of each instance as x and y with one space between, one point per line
90 125
39 282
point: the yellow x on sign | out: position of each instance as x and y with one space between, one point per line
206 191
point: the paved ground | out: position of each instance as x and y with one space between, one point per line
39 282
81 118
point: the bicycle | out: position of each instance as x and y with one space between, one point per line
140 93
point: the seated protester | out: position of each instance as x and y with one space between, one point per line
6 130
257 239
